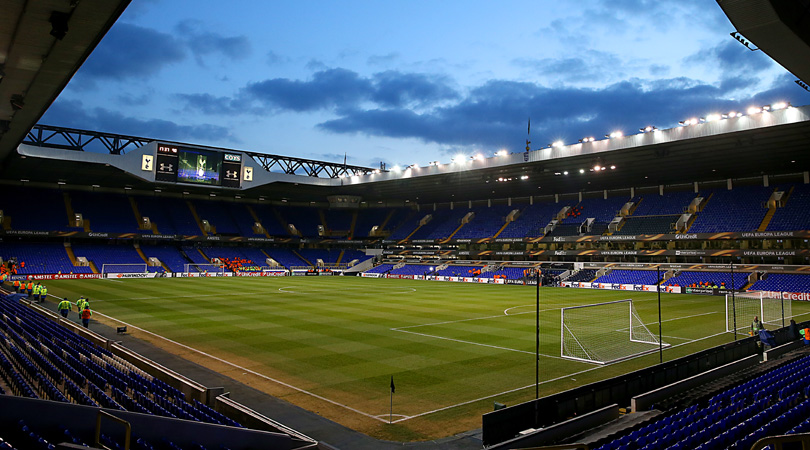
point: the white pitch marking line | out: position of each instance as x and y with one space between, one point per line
501 393
506 311
476 343
467 320
303 391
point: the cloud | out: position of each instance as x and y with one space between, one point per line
72 114
274 58
732 59
331 89
204 44
494 114
383 60
590 66
132 52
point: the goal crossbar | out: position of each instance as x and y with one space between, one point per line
742 307
217 268
605 333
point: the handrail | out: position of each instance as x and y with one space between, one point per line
127 428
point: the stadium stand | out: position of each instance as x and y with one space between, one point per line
668 204
532 220
382 268
269 218
444 223
40 258
285 257
688 278
486 223
169 215
793 216
582 275
23 217
100 254
105 212
739 209
169 255
782 282
620 276
648 225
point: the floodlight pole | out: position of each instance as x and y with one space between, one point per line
660 338
733 302
537 349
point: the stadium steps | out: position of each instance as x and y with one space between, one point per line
387 219
137 212
771 211
284 223
695 216
71 255
351 229
203 254
322 218
342 251
196 217
69 209
501 230
302 258
412 233
256 219
141 254
93 267
6 223
454 233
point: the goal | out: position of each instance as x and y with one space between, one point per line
212 268
123 268
605 333
744 306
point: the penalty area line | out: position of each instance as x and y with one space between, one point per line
253 372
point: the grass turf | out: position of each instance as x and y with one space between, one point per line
451 348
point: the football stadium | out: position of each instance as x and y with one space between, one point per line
611 293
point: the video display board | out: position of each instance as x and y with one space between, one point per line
197 166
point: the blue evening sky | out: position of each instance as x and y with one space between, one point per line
409 82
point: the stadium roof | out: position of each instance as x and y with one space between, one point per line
42 44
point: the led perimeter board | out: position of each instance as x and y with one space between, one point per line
175 164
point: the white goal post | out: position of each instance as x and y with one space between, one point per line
124 268
744 306
213 268
605 333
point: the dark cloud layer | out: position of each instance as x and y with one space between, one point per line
493 115
71 113
131 52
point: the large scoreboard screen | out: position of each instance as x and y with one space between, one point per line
197 166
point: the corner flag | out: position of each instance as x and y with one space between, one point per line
392 384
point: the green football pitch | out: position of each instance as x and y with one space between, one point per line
333 344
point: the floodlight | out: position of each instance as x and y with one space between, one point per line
396 168
565 172
581 170
557 144
612 167
754 110
779 105
524 177
597 168
712 117
479 157
501 153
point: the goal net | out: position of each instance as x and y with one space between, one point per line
744 306
605 333
202 268
123 268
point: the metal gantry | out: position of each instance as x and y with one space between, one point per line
118 144
80 140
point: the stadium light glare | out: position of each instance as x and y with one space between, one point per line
614 134
478 157
557 144
712 117
647 129
501 153
524 177
557 173
597 168
396 168
458 158
565 172
612 167
754 110
581 170
779 105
